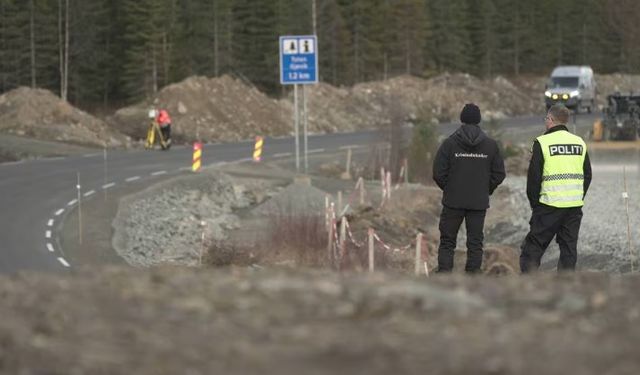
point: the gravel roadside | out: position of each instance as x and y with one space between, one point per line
603 244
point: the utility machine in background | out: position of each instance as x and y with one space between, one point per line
620 119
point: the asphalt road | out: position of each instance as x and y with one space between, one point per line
38 194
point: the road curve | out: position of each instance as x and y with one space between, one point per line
37 194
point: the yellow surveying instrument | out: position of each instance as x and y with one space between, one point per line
153 131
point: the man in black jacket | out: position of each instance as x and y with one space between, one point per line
468 168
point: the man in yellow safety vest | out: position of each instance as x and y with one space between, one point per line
557 182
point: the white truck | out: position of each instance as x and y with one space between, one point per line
573 86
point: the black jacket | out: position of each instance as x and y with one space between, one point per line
468 168
536 165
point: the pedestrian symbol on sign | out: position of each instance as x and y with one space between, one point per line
290 46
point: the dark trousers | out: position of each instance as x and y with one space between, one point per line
548 222
450 221
166 133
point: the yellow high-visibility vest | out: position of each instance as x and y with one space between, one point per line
563 171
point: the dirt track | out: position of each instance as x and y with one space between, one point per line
182 321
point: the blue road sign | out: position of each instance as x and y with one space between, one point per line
298 60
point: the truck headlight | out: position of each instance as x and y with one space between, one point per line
565 96
554 97
574 93
547 94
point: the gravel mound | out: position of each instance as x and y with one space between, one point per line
38 113
177 321
209 109
603 242
297 199
163 224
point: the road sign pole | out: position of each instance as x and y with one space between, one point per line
306 129
296 120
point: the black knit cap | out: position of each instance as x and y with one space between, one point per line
470 114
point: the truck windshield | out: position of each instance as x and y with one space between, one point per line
564 81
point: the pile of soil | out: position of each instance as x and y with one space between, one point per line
39 114
623 83
443 97
179 321
607 84
229 109
333 109
209 109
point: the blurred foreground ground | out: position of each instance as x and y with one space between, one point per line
232 321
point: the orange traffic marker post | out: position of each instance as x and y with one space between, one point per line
197 157
257 150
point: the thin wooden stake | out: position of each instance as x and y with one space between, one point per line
343 237
625 196
418 263
326 211
361 181
78 188
104 157
406 171
339 211
202 238
371 251
348 167
330 235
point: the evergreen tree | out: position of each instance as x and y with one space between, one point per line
255 43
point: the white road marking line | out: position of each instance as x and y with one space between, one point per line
158 173
50 247
107 186
184 169
91 155
318 150
89 193
243 160
220 163
131 179
71 203
47 234
282 155
54 158
59 212
350 147
64 262
50 223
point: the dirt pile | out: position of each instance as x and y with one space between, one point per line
164 321
39 114
209 109
333 109
443 96
228 109
607 84
623 83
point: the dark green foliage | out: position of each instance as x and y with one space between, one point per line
125 50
